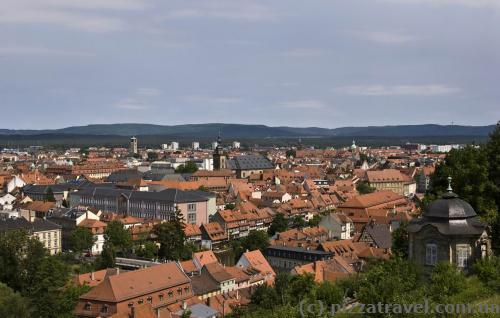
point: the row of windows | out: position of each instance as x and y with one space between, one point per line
149 299
462 253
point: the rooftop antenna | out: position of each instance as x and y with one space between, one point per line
449 185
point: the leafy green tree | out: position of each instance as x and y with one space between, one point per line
445 281
468 168
148 250
107 258
203 188
282 285
171 237
363 187
12 304
49 196
188 167
315 220
291 153
279 224
400 241
488 271
256 240
230 206
265 296
69 299
330 293
392 281
493 153
118 236
47 287
298 222
82 239
20 257
302 286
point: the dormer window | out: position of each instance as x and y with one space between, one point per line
88 306
104 309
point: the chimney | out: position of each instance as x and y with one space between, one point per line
117 270
92 277
237 294
184 305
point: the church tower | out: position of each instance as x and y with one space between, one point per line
219 156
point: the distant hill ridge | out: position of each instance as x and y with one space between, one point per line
258 131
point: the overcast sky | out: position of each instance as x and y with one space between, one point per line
323 63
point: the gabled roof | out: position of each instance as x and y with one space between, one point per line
259 262
132 284
250 162
371 199
205 257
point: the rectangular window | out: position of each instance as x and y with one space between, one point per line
192 207
462 256
431 254
192 218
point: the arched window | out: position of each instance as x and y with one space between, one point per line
430 254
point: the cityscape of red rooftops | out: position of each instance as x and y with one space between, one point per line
249 159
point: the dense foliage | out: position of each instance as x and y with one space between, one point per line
395 281
32 282
475 172
188 167
279 224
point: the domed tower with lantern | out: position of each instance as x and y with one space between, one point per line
448 231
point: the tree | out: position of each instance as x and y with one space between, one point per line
12 304
107 258
203 188
493 153
392 281
488 271
188 167
330 293
256 240
298 222
82 239
118 236
171 237
302 286
291 153
468 168
279 224
20 257
265 296
230 206
49 196
400 241
315 220
47 287
363 187
148 250
445 281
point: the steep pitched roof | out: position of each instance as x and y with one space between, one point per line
371 199
135 283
